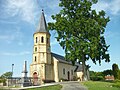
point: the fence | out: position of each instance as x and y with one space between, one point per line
22 81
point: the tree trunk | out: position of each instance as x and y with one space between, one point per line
84 69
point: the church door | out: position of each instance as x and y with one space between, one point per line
35 78
68 75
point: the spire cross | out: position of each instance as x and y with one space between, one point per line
42 10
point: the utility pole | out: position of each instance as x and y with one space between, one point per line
12 75
12 69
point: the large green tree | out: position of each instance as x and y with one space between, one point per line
115 69
6 75
81 31
107 72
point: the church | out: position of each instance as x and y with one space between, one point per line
48 66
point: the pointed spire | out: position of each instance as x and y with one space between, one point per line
25 67
42 26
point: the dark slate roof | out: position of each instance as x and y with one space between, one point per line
79 68
60 58
42 26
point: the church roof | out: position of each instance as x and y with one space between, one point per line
42 26
79 68
62 59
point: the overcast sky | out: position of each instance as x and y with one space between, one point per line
18 22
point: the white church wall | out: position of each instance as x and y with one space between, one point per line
49 72
79 75
55 68
68 68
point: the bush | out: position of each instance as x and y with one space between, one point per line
116 85
97 78
3 81
116 81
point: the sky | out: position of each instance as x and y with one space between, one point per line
18 22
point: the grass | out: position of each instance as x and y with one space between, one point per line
116 83
97 85
54 87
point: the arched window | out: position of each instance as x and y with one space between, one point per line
35 58
71 72
63 71
35 49
42 39
36 40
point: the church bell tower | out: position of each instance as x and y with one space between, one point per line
41 60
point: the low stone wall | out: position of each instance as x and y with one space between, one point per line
18 81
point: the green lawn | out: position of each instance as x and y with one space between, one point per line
54 87
96 85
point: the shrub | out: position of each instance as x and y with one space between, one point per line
97 78
116 81
116 84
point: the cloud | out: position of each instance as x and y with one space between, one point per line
20 8
15 54
27 10
14 35
113 7
50 7
7 22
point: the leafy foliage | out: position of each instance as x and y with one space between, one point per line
115 69
6 75
96 76
107 72
119 75
116 83
81 31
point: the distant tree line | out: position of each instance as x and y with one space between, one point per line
98 76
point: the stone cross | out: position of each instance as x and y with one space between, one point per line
24 72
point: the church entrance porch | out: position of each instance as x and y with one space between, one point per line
35 79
